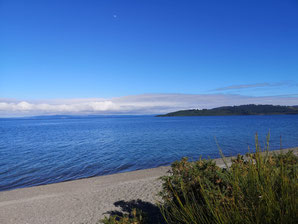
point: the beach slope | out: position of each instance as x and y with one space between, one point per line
85 200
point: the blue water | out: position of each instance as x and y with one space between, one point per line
50 150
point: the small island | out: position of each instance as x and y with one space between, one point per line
250 109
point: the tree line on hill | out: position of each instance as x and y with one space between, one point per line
250 109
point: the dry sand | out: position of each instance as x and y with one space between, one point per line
85 200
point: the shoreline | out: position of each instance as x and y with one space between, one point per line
85 200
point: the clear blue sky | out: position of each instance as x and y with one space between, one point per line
108 48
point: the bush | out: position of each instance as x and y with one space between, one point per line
258 188
135 217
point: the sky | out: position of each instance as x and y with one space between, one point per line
142 57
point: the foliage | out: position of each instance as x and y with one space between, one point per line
250 109
135 217
258 188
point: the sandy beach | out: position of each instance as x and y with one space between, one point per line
86 200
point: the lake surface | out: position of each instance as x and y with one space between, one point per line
49 150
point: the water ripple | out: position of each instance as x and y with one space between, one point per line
34 152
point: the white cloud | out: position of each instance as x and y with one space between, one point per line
256 85
137 104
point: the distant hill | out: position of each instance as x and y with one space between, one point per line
250 109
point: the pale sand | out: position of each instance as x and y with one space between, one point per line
82 201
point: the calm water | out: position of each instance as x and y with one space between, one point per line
49 150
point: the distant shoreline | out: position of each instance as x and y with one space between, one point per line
250 109
84 200
225 115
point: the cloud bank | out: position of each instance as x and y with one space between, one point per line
137 104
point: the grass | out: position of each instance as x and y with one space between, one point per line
135 217
261 187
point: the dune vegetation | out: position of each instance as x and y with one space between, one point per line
260 187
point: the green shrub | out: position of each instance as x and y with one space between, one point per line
135 217
260 188
257 188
